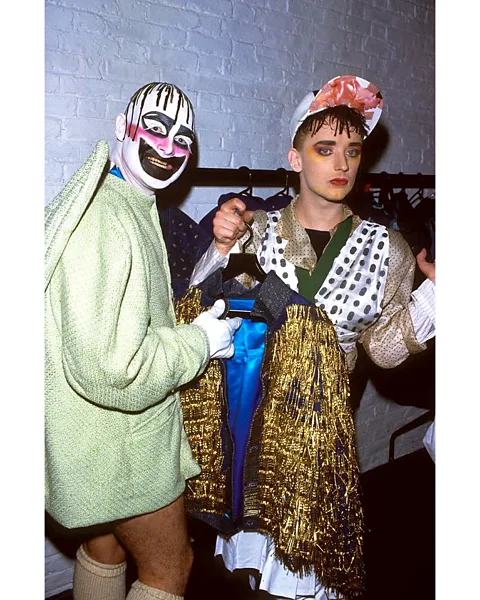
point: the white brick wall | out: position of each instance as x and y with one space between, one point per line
245 65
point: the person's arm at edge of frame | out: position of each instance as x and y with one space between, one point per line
404 326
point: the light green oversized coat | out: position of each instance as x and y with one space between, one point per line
115 357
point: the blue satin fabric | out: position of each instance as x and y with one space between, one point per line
244 391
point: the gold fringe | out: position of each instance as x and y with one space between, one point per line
307 498
304 480
201 404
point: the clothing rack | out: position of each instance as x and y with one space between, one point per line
244 176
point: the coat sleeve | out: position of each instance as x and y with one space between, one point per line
391 339
112 355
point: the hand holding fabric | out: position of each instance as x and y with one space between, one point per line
219 332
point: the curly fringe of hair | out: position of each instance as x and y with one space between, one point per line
340 117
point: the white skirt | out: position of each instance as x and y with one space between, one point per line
253 550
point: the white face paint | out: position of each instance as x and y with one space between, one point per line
155 138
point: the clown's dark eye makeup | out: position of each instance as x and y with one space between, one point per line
183 141
154 126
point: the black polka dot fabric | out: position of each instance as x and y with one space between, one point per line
353 290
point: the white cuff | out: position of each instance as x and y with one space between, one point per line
422 311
208 263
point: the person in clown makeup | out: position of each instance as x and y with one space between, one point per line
116 452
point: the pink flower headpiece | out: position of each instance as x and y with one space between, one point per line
345 89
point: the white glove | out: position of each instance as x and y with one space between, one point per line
219 331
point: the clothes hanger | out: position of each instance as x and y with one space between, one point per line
240 263
248 191
287 187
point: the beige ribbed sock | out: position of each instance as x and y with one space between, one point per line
95 581
140 591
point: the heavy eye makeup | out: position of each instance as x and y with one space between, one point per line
157 124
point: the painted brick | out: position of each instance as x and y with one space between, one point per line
209 101
89 87
133 51
105 7
173 38
60 106
52 83
88 45
215 158
62 63
53 128
245 70
355 42
211 65
314 11
86 128
333 19
275 21
211 140
255 3
131 30
113 108
222 8
274 75
91 108
213 120
121 70
356 9
268 92
174 17
279 5
184 60
132 10
246 123
377 47
242 12
53 172
246 106
71 151
201 83
58 18
268 56
232 140
199 42
210 25
243 32
87 22
379 31
52 39
386 18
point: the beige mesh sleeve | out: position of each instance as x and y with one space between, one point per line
392 339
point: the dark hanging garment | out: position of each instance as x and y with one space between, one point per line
184 240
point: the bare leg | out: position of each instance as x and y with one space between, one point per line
161 548
105 549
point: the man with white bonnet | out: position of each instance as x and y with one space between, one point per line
360 273
117 457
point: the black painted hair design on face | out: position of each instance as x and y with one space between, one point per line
166 90
341 117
